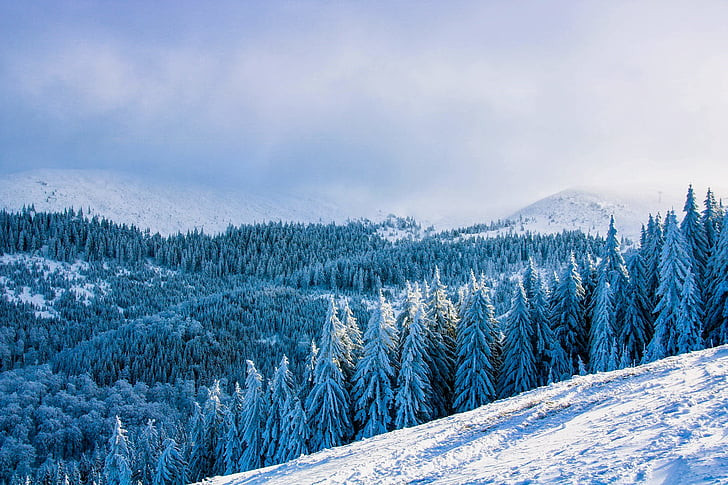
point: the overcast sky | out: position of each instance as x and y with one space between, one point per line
491 104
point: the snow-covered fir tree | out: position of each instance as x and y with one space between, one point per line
636 330
567 315
712 221
674 305
602 342
412 398
117 466
613 267
281 394
716 308
171 468
372 393
327 404
693 230
207 456
295 434
476 371
651 251
442 324
234 435
544 339
252 420
146 452
351 340
518 373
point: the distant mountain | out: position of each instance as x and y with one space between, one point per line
166 208
659 423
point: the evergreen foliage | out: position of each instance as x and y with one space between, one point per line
518 373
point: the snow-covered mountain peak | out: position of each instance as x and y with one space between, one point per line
166 208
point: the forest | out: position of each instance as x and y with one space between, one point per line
131 358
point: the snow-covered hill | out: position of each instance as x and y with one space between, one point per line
666 422
166 208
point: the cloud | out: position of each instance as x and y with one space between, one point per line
423 106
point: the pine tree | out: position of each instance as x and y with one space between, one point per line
544 339
295 434
117 469
233 437
476 372
614 269
716 314
328 402
207 456
651 252
518 373
252 420
602 348
412 399
693 231
568 322
712 221
351 340
689 320
637 329
373 394
147 452
442 324
171 467
675 270
282 391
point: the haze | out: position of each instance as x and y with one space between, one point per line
421 107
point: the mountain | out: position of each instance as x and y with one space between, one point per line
165 208
666 422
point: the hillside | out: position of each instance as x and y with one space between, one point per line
665 422
162 207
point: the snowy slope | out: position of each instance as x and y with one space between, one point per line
166 208
666 422
590 210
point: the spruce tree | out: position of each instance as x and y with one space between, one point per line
207 456
675 270
602 344
281 393
651 252
716 314
613 267
476 371
518 373
712 221
117 469
328 402
442 323
351 342
372 393
543 342
636 330
171 468
693 230
252 420
233 437
147 451
295 434
568 322
412 399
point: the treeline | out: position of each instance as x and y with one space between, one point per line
350 257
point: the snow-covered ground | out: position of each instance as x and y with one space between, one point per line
162 207
666 422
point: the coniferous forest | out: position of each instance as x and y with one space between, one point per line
131 358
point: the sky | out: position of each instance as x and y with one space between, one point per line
424 106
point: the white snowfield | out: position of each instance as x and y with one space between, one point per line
666 423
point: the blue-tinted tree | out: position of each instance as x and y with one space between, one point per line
602 343
476 373
372 392
117 469
567 316
327 404
518 373
281 393
442 324
171 468
252 420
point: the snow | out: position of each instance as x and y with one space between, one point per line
665 422
162 207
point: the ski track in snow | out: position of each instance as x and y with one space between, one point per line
662 423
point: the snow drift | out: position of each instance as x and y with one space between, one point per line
665 422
